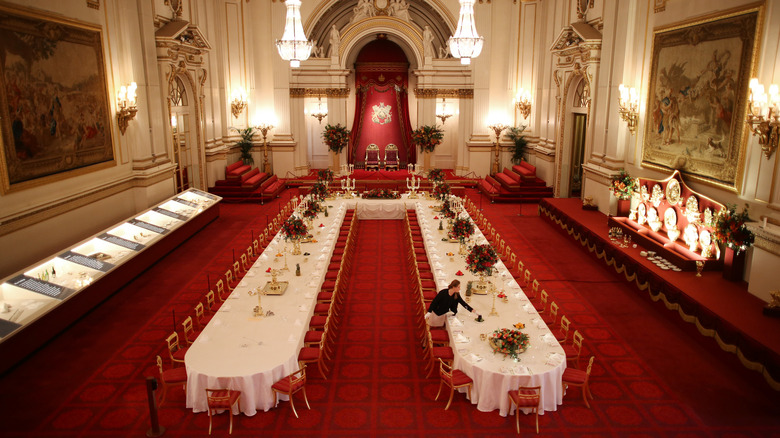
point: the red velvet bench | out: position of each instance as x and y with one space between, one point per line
235 170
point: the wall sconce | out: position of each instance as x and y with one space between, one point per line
320 114
126 102
523 103
628 106
763 116
238 101
442 112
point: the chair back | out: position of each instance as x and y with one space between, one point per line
587 370
530 393
391 155
543 299
210 300
554 313
372 154
565 325
445 370
160 368
577 341
218 398
221 289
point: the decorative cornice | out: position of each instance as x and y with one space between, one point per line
454 93
319 92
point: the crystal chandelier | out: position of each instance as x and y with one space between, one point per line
466 43
294 46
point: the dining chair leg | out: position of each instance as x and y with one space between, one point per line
452 394
441 382
305 398
292 405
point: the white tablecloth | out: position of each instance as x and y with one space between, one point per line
239 351
542 364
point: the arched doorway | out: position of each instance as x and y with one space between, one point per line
381 102
579 114
186 153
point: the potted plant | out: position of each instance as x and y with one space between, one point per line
731 231
427 137
622 187
521 144
245 143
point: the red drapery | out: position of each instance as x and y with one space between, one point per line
382 104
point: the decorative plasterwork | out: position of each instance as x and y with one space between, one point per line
577 41
319 92
765 240
180 37
94 4
454 93
659 5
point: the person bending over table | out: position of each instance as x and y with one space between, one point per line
446 300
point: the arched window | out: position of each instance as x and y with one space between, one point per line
580 97
178 93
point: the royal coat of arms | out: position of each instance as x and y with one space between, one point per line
381 114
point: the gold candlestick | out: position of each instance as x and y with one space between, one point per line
493 311
285 259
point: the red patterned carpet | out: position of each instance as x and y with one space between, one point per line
653 375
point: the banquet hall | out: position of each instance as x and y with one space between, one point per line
616 158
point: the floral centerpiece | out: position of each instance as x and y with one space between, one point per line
436 175
336 137
380 194
730 228
623 185
446 210
509 341
441 191
462 229
294 229
481 259
427 137
312 208
319 191
325 175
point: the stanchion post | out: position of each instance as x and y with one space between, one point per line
156 430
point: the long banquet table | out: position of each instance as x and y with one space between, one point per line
542 364
239 351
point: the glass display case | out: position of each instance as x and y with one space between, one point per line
29 295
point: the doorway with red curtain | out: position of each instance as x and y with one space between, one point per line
382 104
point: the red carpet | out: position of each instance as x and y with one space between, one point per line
652 376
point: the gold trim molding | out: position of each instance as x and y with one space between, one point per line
453 93
319 92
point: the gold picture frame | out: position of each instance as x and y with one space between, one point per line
696 104
55 117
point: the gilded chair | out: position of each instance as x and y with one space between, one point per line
291 384
391 157
222 294
551 316
190 334
574 349
315 354
372 157
200 315
562 332
245 264
454 379
444 354
175 350
230 280
211 302
526 398
171 377
220 400
575 377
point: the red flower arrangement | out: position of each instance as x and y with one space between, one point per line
461 229
319 191
446 210
730 228
380 194
441 191
311 210
427 137
436 175
508 341
481 259
336 137
325 175
623 186
294 228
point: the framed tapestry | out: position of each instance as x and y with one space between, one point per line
697 96
54 108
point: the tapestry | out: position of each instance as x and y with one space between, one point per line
696 98
53 98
